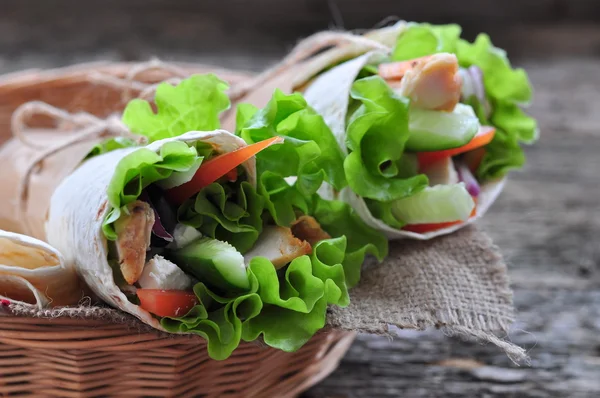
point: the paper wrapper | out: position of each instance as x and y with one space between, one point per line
457 281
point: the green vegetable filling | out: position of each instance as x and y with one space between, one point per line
242 299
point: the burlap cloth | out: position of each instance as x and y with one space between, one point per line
457 282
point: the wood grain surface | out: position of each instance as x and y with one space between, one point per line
547 220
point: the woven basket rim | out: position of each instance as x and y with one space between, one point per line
40 75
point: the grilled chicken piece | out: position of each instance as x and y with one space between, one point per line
308 229
134 230
279 245
433 83
441 172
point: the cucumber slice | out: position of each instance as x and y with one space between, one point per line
441 203
214 262
180 177
436 130
183 235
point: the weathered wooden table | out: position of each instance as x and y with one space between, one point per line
547 221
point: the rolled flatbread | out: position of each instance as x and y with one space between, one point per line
79 206
329 94
33 272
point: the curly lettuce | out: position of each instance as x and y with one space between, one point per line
283 200
376 134
228 212
110 145
285 308
339 219
140 168
193 105
506 90
425 39
310 151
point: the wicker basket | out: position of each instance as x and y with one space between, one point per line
89 358
82 358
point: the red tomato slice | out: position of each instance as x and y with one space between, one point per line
397 70
215 168
232 175
483 137
425 228
171 303
473 159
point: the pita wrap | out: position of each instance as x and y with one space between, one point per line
78 208
33 272
329 94
408 57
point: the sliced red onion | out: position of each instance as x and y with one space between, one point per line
477 79
472 85
465 175
157 229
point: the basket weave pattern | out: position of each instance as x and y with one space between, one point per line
86 358
90 358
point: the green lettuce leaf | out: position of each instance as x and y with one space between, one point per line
282 199
501 81
501 155
505 88
383 212
376 134
286 308
295 304
139 169
425 39
509 117
309 152
110 145
218 319
231 213
339 219
194 104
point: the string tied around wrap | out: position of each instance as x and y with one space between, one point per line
305 49
85 126
130 82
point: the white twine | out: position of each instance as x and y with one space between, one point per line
89 126
130 83
305 49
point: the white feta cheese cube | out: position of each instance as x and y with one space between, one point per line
160 273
